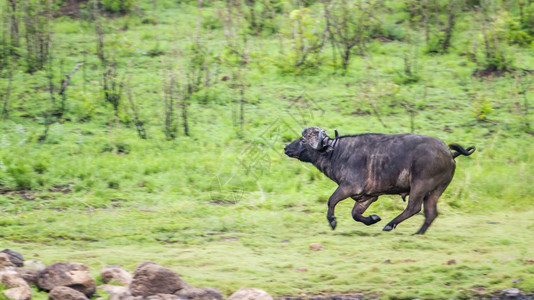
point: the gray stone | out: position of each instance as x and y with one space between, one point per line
163 297
29 275
73 275
34 264
18 289
250 294
511 292
18 293
193 293
16 258
11 279
116 274
5 262
115 292
151 279
66 293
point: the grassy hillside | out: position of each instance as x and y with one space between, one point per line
223 205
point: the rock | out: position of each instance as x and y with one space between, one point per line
5 262
16 258
117 292
18 293
113 289
18 289
12 279
73 275
34 264
193 293
116 274
163 297
29 275
250 294
151 279
316 246
66 293
130 297
511 293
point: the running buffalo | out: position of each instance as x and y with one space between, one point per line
366 166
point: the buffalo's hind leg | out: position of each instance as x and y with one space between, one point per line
430 206
414 206
359 208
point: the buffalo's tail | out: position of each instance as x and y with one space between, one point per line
459 150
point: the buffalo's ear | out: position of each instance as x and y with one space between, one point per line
314 137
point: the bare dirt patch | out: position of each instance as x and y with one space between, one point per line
32 195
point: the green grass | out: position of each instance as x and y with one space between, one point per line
228 209
266 250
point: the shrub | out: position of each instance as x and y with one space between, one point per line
391 31
118 6
120 147
307 44
482 108
520 29
495 41
435 43
22 176
40 167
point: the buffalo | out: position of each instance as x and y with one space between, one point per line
366 166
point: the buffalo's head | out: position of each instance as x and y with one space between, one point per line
314 140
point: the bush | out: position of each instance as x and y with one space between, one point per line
120 147
520 30
22 176
497 57
435 43
305 55
392 32
118 6
482 108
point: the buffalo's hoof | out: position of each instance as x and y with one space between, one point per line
333 224
388 228
374 218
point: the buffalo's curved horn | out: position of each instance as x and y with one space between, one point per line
336 137
320 138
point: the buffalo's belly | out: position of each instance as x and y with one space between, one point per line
387 190
384 184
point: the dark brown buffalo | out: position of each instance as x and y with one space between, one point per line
366 166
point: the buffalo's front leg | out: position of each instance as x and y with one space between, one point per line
359 208
340 194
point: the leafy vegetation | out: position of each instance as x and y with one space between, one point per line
157 133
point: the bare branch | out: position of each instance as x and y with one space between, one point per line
5 110
66 81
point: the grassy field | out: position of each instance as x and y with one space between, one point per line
224 207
